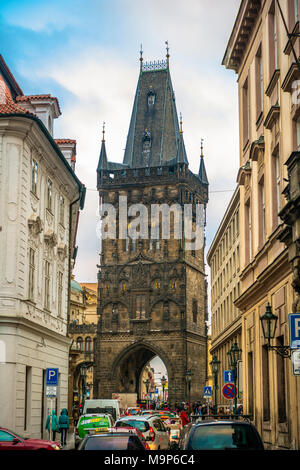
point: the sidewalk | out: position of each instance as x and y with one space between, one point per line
70 442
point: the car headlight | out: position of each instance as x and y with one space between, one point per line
55 447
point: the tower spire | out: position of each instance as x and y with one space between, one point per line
202 171
180 117
201 155
103 132
168 55
141 58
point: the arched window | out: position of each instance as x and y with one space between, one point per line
80 343
88 344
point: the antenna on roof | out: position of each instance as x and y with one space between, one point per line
168 55
141 57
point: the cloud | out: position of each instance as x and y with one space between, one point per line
98 83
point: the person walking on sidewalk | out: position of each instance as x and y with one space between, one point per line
54 424
63 426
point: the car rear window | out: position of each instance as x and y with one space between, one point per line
234 436
141 425
113 443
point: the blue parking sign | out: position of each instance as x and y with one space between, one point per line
294 330
52 376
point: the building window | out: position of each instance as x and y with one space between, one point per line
61 210
47 285
49 195
140 306
151 99
281 388
273 40
248 238
79 343
27 397
31 274
262 210
60 292
246 112
88 345
259 83
195 311
266 384
34 175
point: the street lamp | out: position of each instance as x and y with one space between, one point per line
83 369
269 324
215 367
163 383
188 378
234 355
147 383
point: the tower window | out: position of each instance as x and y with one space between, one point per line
151 99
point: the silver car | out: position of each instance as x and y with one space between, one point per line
151 426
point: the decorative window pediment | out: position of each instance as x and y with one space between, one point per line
244 174
35 225
50 238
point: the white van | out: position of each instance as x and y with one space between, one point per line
103 405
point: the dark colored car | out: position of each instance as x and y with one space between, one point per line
220 435
132 430
112 441
9 440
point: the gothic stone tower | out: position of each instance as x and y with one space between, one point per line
152 293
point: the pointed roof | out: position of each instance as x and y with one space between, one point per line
154 136
202 171
102 163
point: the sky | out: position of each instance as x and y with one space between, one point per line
86 53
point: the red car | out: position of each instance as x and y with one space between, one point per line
9 440
133 430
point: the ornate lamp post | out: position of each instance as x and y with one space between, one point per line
269 324
215 367
147 383
188 378
234 355
83 369
163 383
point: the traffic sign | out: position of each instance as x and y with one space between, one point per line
294 329
296 361
207 391
228 391
52 376
228 376
51 391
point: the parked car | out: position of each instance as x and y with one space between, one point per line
220 435
9 440
152 428
134 431
112 441
92 423
132 411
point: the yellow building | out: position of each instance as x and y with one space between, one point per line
223 257
260 53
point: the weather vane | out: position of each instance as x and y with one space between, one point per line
180 115
168 55
141 54
103 131
201 148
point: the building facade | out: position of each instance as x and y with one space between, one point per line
40 198
223 257
152 289
82 330
261 54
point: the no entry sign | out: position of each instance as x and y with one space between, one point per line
228 391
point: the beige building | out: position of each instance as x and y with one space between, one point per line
40 197
260 53
82 330
224 260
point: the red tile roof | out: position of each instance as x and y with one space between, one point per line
65 141
10 75
8 106
38 97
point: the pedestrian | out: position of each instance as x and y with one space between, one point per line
54 425
183 417
63 426
75 415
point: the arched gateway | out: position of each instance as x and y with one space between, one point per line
151 290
